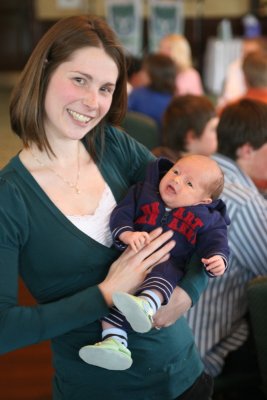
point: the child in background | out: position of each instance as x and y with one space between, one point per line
189 127
181 197
188 79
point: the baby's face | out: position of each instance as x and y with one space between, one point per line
185 183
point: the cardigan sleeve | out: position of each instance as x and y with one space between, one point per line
130 155
195 280
23 325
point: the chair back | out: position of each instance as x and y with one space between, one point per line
142 128
257 303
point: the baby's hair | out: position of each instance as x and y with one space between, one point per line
214 182
217 184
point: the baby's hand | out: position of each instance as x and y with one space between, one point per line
137 240
215 265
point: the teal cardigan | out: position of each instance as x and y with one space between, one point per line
61 266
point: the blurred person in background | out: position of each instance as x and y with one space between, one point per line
219 321
152 98
254 69
136 75
188 79
189 126
234 84
255 73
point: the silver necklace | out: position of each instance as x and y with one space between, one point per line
74 186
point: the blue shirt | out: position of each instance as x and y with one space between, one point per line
149 102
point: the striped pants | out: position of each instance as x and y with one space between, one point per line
163 278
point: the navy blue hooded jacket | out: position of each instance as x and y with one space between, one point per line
199 228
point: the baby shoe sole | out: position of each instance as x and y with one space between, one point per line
136 317
105 358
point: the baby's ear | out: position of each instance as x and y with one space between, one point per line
207 200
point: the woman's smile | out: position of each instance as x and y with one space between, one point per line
78 116
79 94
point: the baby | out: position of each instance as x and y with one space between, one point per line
184 198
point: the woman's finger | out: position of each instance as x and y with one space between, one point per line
163 259
157 240
156 249
155 233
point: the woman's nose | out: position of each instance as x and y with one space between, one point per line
90 99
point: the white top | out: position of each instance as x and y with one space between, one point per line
234 84
97 225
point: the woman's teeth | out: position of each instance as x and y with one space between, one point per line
79 117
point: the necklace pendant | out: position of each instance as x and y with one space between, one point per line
73 186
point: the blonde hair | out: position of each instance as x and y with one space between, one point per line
179 50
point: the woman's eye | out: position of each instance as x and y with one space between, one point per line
175 172
107 89
79 81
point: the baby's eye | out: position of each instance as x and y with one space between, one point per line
190 184
176 172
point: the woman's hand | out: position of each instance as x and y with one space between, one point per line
131 268
179 303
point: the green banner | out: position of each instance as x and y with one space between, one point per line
126 19
164 17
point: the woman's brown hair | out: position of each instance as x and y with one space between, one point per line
55 47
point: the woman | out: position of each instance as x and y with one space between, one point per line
56 198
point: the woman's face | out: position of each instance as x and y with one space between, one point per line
79 94
207 143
